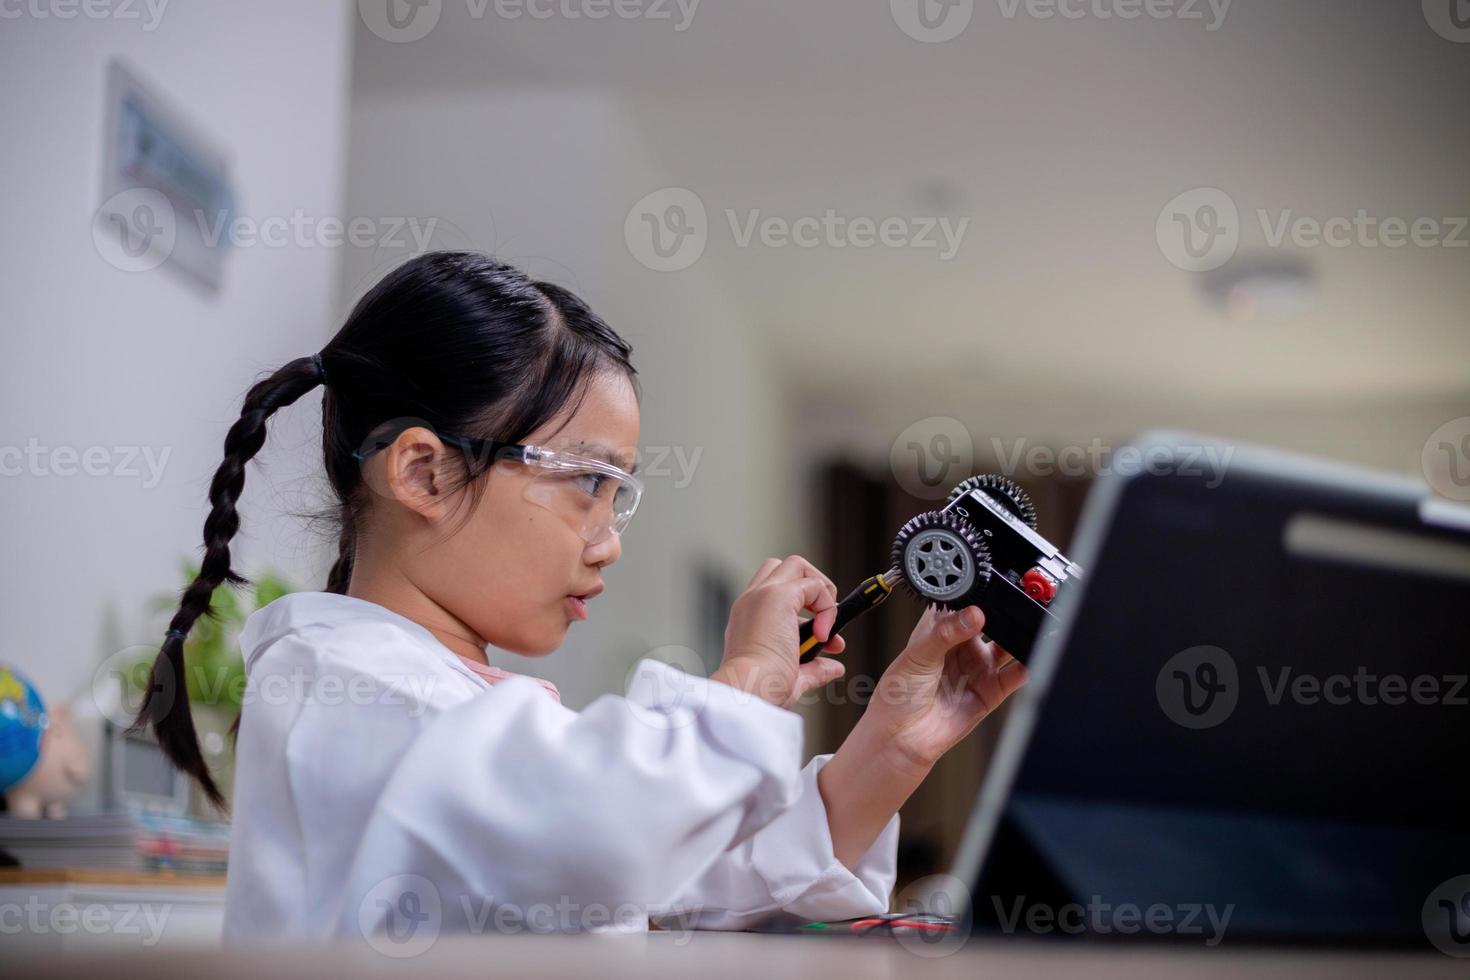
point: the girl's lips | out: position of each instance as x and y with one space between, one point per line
577 604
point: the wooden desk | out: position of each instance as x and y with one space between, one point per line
716 955
107 876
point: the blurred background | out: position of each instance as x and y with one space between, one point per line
861 250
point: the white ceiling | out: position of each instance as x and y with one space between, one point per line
1061 140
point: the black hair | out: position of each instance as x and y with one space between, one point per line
456 341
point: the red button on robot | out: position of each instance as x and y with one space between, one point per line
1039 585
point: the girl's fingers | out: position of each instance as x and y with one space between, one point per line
1011 677
834 644
990 655
822 623
985 658
922 626
810 594
796 567
762 573
946 630
976 656
817 673
817 592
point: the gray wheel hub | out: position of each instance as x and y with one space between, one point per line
938 560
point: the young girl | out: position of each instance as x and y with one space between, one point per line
479 432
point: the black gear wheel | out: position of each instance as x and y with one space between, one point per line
1001 489
942 560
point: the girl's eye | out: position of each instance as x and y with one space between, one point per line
591 483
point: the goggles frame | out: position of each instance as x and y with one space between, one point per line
490 451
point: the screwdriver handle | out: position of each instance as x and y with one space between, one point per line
870 593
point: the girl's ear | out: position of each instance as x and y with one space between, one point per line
417 472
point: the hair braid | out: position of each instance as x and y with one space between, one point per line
166 702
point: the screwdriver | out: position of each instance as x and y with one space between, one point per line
869 593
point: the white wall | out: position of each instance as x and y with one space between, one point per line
544 179
95 356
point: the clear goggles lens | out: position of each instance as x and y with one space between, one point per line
593 497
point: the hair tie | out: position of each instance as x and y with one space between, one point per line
321 369
179 634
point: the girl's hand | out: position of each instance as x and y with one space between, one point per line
941 685
761 640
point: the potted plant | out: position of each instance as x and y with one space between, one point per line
214 671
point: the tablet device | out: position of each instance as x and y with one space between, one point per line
1253 724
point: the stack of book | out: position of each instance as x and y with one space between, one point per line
134 840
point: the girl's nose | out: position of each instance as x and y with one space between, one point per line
605 551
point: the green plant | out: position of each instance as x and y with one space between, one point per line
213 668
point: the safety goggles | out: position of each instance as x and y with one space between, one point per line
594 497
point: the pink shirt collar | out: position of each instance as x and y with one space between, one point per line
494 675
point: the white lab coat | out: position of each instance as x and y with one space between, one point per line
380 782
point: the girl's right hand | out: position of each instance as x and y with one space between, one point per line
762 641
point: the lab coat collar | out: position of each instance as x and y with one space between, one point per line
299 609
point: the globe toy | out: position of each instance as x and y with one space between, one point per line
22 723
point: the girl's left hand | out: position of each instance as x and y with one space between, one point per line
939 688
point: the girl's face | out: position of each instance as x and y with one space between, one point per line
512 570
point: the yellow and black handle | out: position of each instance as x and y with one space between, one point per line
870 593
